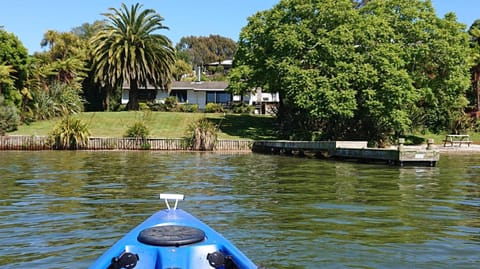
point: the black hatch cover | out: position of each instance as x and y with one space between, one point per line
171 235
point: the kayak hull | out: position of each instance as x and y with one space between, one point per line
173 239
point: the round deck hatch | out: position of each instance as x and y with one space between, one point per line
171 235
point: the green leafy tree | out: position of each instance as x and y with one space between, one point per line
288 49
88 30
200 50
98 96
14 62
356 69
434 54
239 80
474 32
129 50
62 45
65 59
181 69
56 75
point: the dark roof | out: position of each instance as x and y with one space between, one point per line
188 85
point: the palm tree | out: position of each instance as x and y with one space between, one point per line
128 50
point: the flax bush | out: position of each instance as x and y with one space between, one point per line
71 133
137 130
202 135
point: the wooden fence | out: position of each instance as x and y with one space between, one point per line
24 143
17 142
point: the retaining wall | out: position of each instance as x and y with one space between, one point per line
18 142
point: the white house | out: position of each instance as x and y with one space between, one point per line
204 92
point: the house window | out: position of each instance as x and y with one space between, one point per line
180 94
219 97
146 95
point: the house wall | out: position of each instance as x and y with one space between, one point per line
196 97
246 98
161 95
265 100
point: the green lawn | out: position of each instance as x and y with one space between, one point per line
163 124
174 125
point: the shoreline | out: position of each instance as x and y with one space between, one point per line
20 142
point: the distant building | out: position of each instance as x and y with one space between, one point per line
204 92
226 65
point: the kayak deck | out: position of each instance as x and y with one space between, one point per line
172 238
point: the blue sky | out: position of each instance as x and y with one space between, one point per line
30 19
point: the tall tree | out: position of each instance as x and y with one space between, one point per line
427 66
370 71
98 95
200 50
88 30
181 69
65 58
128 50
13 64
474 32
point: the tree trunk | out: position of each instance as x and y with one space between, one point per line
133 95
107 98
105 93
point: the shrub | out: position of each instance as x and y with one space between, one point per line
137 130
171 103
460 123
143 107
476 125
214 108
201 135
140 132
43 106
9 118
192 108
70 133
58 100
157 107
242 108
121 107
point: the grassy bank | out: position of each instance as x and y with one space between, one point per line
174 125
163 124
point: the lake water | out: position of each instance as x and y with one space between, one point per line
63 209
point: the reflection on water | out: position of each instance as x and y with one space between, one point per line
62 209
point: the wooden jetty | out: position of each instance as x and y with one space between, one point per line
351 150
346 150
